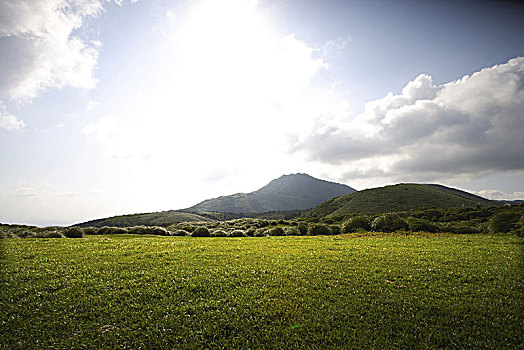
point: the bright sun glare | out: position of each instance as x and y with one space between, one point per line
233 89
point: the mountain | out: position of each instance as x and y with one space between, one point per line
397 198
288 192
162 218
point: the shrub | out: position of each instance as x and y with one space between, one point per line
237 233
159 231
48 234
357 224
201 231
180 233
460 227
318 229
188 228
73 232
519 227
291 231
250 232
24 234
335 229
417 225
138 230
389 223
262 223
148 230
106 230
504 221
90 230
302 229
277 231
219 233
261 232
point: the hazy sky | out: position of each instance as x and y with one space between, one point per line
117 107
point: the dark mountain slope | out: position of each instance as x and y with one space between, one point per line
288 192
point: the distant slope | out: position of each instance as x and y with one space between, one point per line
162 218
288 192
397 198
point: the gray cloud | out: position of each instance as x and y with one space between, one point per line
469 126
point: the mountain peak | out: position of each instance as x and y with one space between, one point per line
288 192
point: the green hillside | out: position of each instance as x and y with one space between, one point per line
396 198
162 218
288 192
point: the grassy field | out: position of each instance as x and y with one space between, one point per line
383 291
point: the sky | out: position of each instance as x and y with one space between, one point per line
111 107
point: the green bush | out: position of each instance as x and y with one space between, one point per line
148 230
90 230
318 229
138 230
335 229
261 232
357 224
291 231
188 228
250 232
237 233
389 223
262 223
107 230
504 221
159 231
201 231
277 231
302 229
460 227
519 227
73 232
218 233
48 234
421 225
180 233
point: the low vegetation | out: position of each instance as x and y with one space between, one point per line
462 220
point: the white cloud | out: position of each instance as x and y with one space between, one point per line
44 191
40 47
500 195
465 128
9 121
92 105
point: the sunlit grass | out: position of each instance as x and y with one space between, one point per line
382 291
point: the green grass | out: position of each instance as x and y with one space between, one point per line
381 291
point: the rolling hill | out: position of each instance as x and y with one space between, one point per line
396 198
162 218
288 192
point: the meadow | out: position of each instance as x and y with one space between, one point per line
361 290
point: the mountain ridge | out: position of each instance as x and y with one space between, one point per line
288 192
396 198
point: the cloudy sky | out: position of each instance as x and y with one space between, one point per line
113 107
